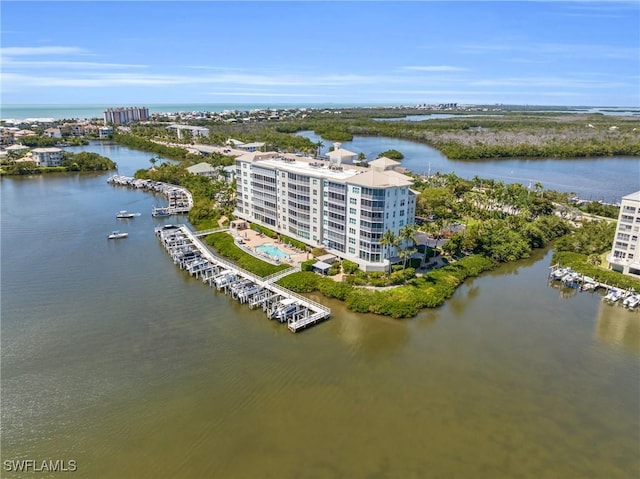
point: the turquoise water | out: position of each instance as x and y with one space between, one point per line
272 251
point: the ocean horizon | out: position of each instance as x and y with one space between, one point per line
96 110
70 111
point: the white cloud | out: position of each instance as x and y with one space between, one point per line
34 51
66 64
435 68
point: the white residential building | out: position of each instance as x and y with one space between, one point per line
53 133
625 250
47 156
105 131
344 208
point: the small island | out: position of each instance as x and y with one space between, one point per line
50 160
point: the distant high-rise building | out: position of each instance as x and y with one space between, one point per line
122 116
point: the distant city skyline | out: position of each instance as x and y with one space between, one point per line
136 53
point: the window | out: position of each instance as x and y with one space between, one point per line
315 211
353 201
355 190
401 212
352 221
315 201
315 182
352 231
352 241
352 211
352 250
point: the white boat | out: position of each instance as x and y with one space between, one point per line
631 301
614 295
283 309
160 211
570 278
125 214
117 235
224 279
559 273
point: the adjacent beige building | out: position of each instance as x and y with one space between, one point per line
625 250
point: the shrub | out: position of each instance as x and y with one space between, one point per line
307 265
301 282
349 267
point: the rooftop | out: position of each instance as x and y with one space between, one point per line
352 174
632 196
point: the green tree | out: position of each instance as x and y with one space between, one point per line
389 241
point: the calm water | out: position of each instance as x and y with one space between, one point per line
605 179
113 357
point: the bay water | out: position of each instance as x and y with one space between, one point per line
116 359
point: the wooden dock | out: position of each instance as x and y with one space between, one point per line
192 255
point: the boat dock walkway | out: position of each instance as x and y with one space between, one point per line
192 255
179 198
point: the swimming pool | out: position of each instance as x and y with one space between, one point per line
271 250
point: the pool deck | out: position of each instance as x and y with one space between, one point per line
251 239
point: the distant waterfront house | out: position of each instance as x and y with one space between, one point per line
228 173
17 149
105 131
194 130
203 169
625 250
47 156
251 147
21 133
53 133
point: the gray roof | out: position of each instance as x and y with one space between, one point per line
201 168
633 196
321 266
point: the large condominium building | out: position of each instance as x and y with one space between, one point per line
122 116
344 208
625 251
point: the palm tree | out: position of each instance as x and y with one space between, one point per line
406 235
538 187
319 145
388 240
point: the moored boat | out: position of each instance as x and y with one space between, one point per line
117 235
125 214
631 301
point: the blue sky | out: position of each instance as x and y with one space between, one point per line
538 53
